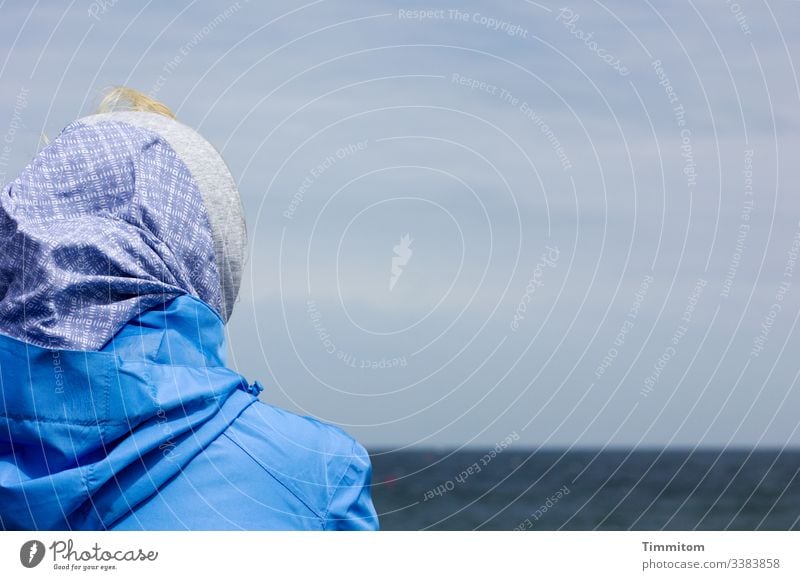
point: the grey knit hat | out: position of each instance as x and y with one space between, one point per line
217 187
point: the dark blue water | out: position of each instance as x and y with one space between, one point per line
587 490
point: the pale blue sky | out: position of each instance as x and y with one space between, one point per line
478 181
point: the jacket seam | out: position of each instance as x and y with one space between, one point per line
102 423
336 487
89 473
272 475
133 508
179 365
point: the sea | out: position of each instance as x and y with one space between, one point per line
587 490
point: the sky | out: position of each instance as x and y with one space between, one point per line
577 223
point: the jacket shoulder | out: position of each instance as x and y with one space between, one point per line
319 463
306 436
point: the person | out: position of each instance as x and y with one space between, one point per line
123 243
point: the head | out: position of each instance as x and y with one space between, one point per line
126 208
211 173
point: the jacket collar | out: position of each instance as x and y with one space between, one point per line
184 331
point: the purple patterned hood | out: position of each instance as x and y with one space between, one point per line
105 223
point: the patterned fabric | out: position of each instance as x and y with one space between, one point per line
217 188
105 223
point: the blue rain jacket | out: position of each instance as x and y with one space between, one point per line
153 432
117 408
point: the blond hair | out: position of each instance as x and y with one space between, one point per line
126 99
